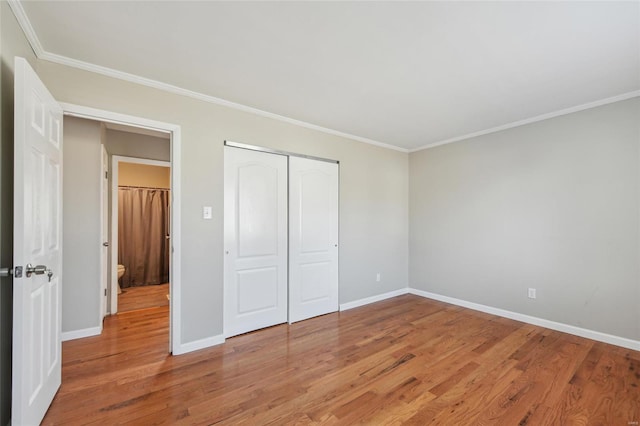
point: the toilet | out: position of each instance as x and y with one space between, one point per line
121 270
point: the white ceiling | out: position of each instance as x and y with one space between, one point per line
408 74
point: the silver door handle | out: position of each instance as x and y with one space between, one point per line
106 244
5 272
38 270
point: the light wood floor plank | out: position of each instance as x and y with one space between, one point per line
406 360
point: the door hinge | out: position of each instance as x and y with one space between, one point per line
105 292
106 175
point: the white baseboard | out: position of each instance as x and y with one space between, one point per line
373 299
199 344
553 325
79 334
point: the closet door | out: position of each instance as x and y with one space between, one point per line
255 234
313 238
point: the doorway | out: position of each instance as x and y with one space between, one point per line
119 122
141 238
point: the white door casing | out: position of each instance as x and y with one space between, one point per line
175 328
104 220
255 238
115 167
37 348
313 238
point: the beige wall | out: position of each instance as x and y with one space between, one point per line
552 205
132 174
81 238
135 145
373 189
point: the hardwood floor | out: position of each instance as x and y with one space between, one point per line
406 360
143 297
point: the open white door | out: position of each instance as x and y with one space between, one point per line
37 247
104 219
313 238
255 237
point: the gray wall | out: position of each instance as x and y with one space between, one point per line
12 43
134 145
373 189
81 242
551 205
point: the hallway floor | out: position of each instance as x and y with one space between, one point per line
144 297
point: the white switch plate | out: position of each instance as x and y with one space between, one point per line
207 212
532 293
378 277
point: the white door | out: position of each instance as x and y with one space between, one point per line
38 242
255 237
313 238
104 261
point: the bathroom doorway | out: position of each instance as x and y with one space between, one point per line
141 233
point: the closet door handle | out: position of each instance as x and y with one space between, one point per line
106 244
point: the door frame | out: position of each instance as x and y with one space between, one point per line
174 130
115 166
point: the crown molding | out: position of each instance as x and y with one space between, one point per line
27 28
601 102
23 20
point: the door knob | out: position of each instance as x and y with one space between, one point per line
106 244
38 270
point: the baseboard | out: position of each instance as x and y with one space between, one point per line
199 344
553 325
373 299
79 334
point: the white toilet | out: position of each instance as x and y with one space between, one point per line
121 270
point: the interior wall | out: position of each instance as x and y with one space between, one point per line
135 145
144 175
552 205
373 189
12 43
81 236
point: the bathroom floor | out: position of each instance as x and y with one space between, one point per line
150 296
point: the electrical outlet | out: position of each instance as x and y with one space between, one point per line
532 293
378 277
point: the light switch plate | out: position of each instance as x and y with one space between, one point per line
207 212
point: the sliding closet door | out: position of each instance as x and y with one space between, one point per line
313 238
255 235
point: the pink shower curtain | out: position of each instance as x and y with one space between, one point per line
143 228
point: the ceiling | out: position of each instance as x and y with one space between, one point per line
407 74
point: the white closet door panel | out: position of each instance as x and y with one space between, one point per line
255 223
313 238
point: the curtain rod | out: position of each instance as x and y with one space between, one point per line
142 187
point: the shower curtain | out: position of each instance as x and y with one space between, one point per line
143 230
